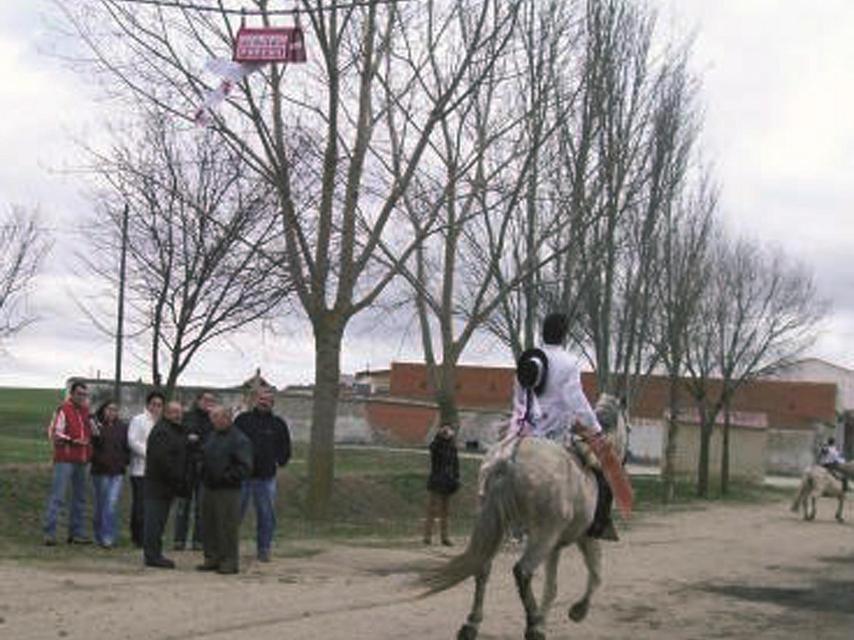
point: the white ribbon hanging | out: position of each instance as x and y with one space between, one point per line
230 73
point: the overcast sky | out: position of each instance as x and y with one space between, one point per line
777 94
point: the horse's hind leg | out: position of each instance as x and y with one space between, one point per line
839 509
592 553
523 571
469 630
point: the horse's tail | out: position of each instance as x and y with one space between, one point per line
497 512
803 492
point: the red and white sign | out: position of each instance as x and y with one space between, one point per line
269 44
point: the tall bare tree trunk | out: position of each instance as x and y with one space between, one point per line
447 395
321 454
725 450
670 448
706 428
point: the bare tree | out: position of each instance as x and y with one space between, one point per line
491 153
760 312
684 248
644 176
621 156
23 246
319 138
200 232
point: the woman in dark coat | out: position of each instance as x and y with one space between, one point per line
110 457
443 482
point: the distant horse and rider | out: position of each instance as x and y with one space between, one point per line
826 479
550 480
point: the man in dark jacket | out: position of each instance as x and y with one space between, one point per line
165 479
198 424
226 463
271 446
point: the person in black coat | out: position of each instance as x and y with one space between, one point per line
166 472
197 421
443 482
226 463
271 446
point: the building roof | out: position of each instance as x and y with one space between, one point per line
820 361
372 372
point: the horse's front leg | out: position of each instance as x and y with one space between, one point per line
840 508
592 553
469 630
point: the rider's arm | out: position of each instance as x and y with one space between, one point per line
581 411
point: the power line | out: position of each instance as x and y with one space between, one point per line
178 4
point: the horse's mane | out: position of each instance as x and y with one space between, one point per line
608 411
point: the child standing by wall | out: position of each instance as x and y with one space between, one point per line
443 482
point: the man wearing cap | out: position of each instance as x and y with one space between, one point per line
549 402
548 394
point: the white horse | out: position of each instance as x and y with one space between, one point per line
818 482
549 494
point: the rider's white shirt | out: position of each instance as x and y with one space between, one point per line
562 402
830 455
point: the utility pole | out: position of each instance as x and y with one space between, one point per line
120 319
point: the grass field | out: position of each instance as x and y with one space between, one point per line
377 495
24 416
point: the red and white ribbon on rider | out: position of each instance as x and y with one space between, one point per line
230 74
615 474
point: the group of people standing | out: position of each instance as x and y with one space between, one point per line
215 466
207 461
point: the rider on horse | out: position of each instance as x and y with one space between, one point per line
549 402
830 458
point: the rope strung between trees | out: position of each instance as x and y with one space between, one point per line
177 4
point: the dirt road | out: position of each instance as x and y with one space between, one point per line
726 572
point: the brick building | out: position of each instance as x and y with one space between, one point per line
788 404
778 421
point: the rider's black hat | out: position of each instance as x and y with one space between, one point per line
532 370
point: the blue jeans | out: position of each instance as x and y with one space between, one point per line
104 519
63 472
263 494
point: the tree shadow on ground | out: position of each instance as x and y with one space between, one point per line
823 596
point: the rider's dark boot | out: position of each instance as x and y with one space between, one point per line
609 532
603 525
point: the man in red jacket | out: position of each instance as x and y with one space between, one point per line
71 435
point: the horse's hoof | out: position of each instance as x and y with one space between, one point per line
467 632
840 519
534 634
578 611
